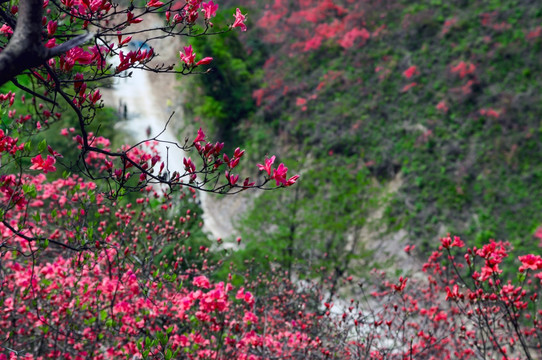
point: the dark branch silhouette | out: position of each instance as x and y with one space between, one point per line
25 49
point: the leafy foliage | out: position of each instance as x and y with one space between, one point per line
446 94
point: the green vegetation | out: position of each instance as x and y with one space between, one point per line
463 130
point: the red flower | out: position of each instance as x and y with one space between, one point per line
410 72
46 165
530 262
448 243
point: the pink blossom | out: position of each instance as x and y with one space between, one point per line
300 101
6 30
530 262
47 165
209 9
200 136
267 166
442 106
202 282
410 72
246 296
239 20
204 61
447 242
52 27
189 57
154 3
408 87
250 318
292 180
280 174
350 37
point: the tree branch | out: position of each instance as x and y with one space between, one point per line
25 49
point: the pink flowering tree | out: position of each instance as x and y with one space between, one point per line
85 273
63 50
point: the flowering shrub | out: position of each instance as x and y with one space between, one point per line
462 308
85 273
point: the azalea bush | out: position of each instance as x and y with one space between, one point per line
460 306
86 272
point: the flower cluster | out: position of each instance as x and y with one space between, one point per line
278 174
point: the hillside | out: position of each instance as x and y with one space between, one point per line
352 94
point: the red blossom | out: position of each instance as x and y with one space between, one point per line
530 262
47 165
410 72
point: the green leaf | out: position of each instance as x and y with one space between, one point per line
169 354
42 146
103 315
163 338
30 190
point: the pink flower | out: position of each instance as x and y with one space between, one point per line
280 174
267 166
447 242
202 282
52 27
239 20
47 165
6 30
442 106
246 296
410 72
292 180
189 56
204 61
530 262
154 3
300 101
200 137
408 87
463 69
250 318
350 37
209 9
